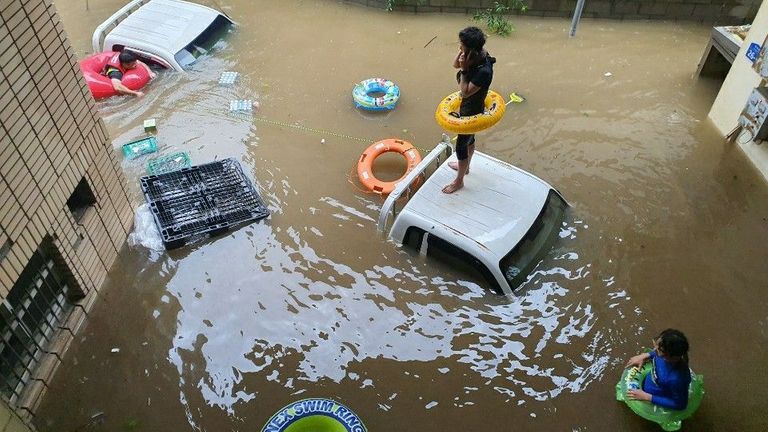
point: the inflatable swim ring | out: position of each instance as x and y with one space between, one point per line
101 86
314 415
365 164
361 94
447 114
670 420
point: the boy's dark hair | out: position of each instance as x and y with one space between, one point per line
473 38
127 57
674 344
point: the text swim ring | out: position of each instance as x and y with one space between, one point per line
314 415
448 118
363 91
669 420
365 164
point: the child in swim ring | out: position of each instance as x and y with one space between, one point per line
667 384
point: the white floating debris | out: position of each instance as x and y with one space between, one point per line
115 350
322 141
228 78
607 74
241 105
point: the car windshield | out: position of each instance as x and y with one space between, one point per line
206 41
526 255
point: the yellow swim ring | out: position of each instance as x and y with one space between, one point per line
447 114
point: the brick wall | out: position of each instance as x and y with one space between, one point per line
714 11
51 139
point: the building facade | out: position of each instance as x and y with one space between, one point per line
741 81
64 208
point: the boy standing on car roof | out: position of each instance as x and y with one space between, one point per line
474 77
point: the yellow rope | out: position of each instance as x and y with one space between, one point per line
513 98
311 130
322 132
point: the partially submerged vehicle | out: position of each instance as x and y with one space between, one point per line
501 223
169 33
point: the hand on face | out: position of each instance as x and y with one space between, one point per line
460 58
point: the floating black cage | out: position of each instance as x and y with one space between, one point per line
203 199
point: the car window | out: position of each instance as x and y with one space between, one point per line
204 42
450 255
153 61
526 255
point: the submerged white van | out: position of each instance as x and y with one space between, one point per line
170 33
501 223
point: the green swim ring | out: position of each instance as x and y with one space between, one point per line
314 415
669 420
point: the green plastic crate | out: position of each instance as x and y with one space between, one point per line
137 148
169 163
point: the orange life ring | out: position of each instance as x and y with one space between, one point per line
365 164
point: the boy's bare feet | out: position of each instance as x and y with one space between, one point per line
453 187
455 166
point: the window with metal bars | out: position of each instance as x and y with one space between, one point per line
30 315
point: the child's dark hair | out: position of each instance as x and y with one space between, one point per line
127 57
674 345
473 38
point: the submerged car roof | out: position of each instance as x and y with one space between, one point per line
494 210
169 24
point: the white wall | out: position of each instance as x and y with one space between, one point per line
736 89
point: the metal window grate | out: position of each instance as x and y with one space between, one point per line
29 318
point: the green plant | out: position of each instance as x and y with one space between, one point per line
132 424
392 4
495 17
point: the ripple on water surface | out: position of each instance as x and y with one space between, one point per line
291 317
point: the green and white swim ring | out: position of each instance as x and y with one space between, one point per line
668 419
314 415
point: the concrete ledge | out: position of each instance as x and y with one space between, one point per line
720 11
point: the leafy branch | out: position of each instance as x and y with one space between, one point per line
495 17
392 4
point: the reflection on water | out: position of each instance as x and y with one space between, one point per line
312 303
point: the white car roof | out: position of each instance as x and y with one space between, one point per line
491 214
167 24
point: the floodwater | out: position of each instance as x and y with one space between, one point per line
668 228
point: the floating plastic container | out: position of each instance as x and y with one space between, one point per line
150 125
201 200
241 105
169 163
134 149
228 78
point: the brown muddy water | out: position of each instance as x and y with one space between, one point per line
668 229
